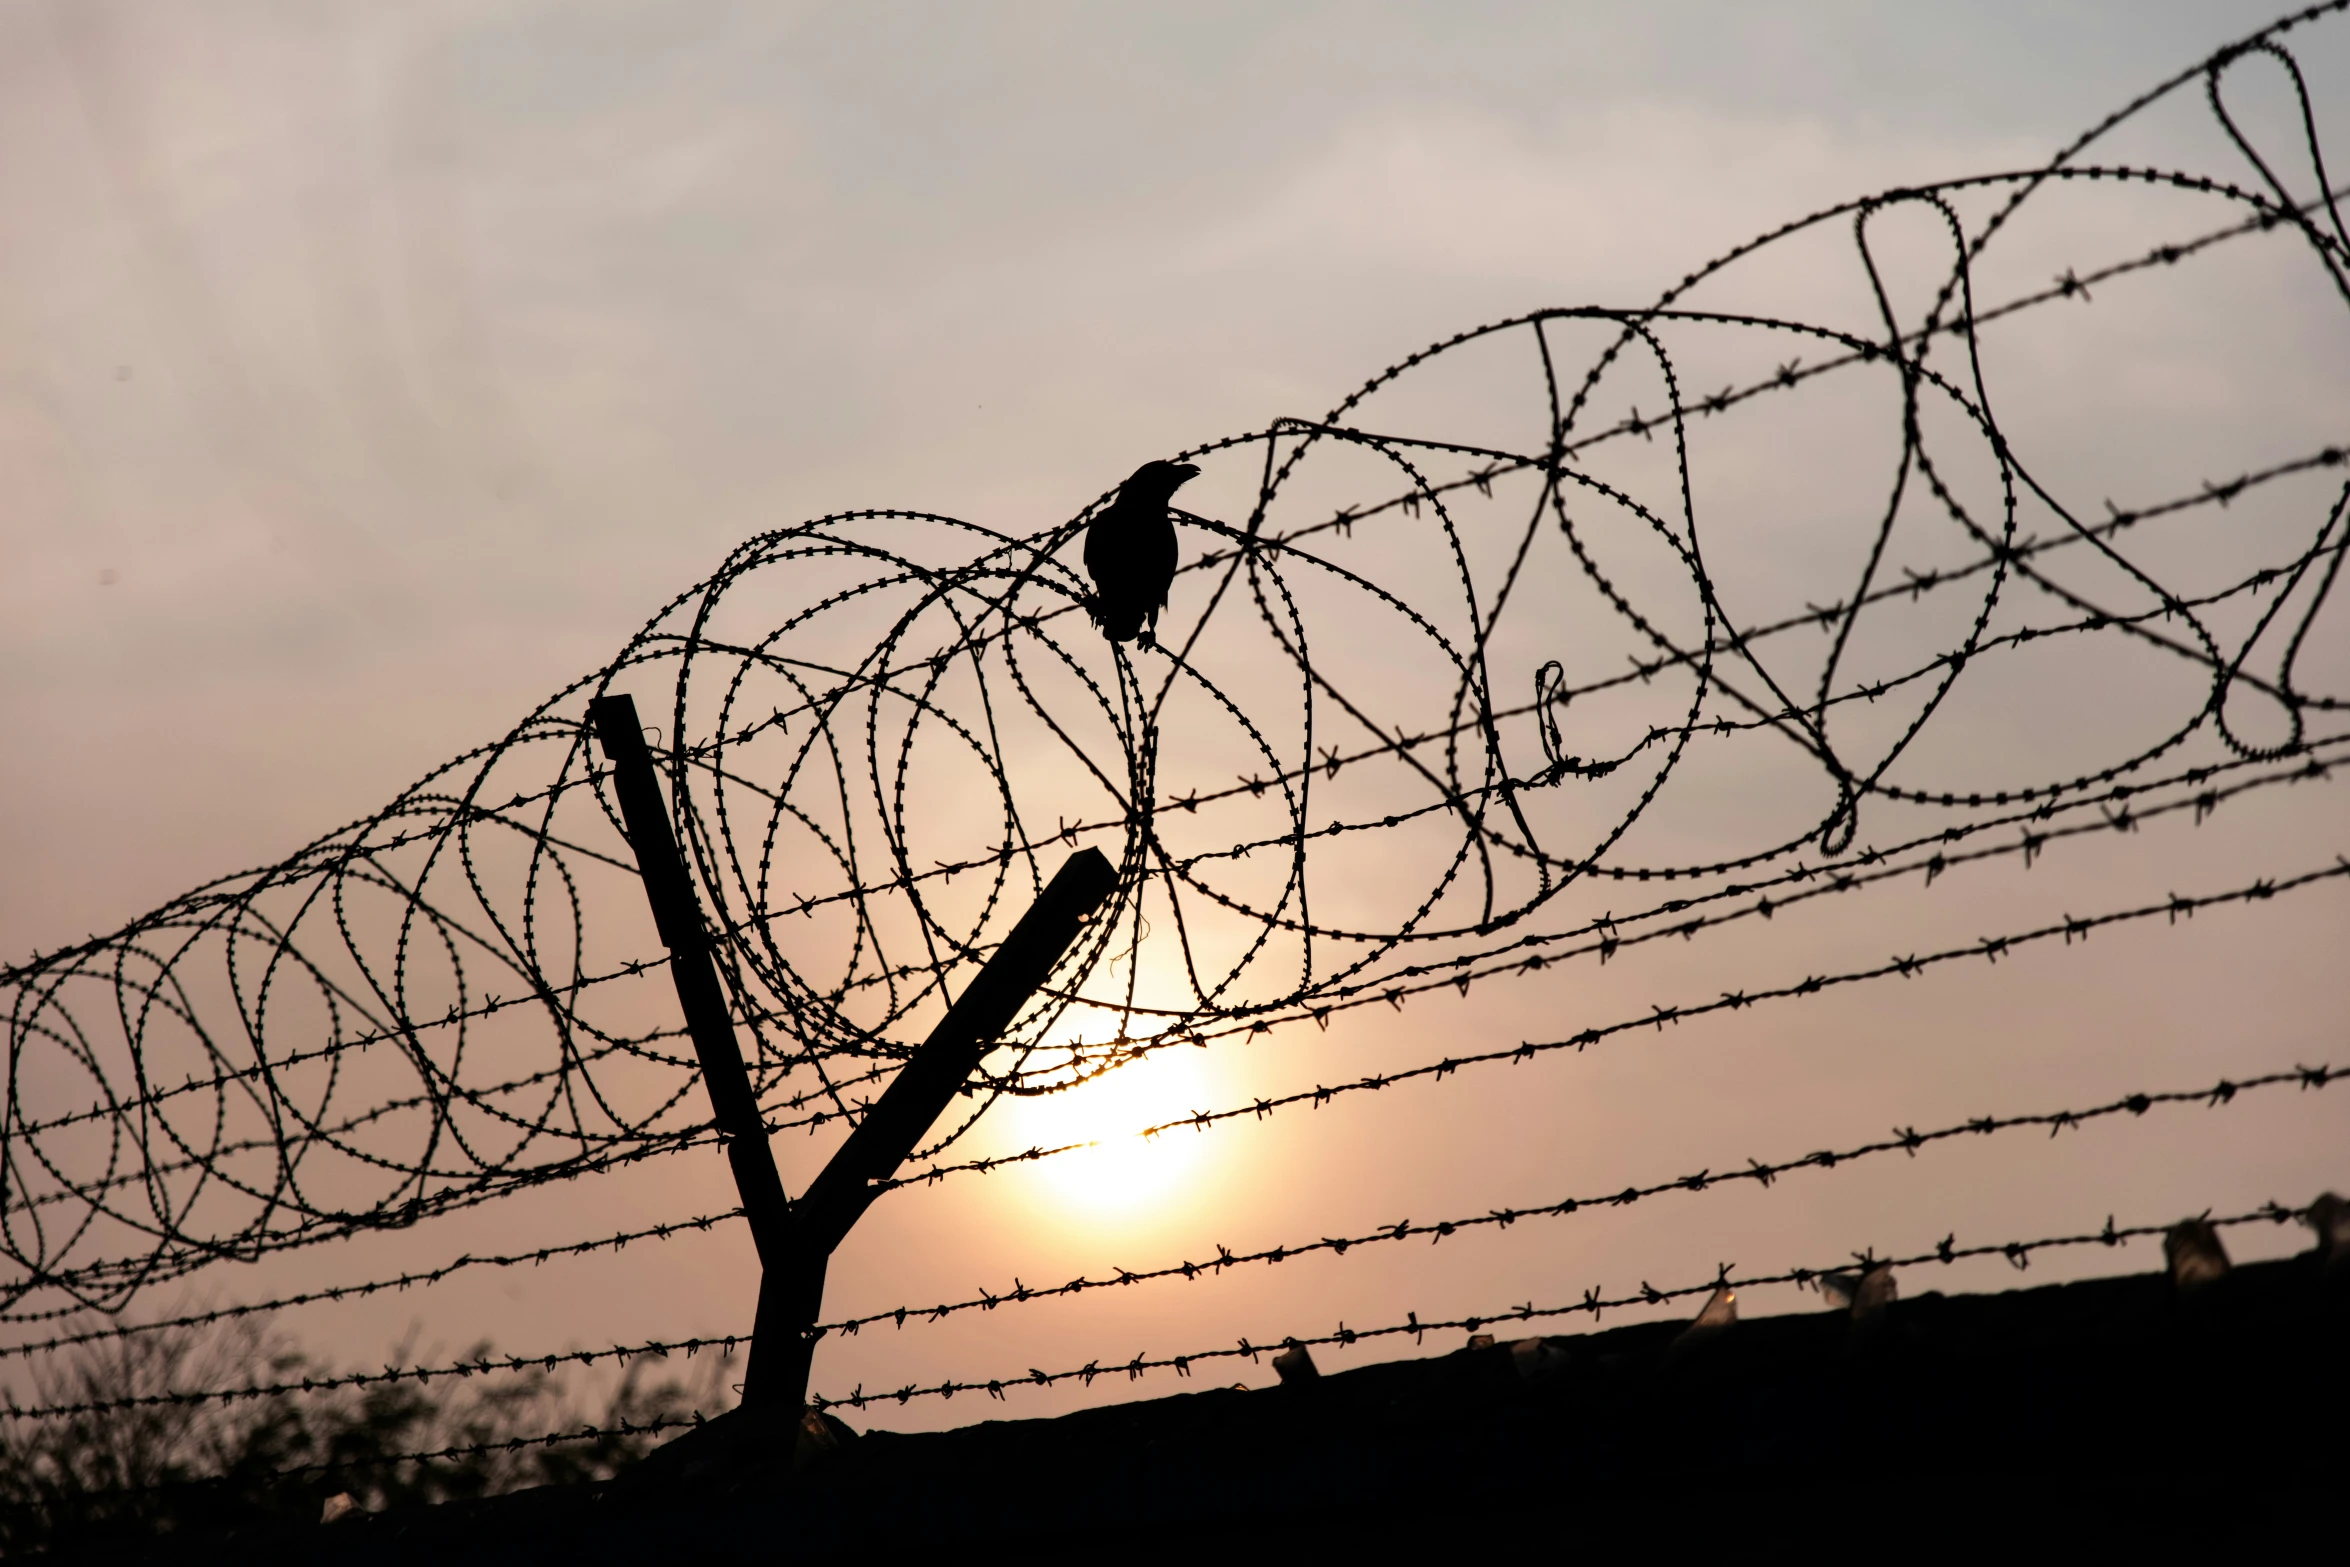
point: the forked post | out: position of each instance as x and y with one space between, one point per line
796 1240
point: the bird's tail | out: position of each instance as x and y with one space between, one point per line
1119 622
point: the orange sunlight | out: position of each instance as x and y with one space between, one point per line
1121 1176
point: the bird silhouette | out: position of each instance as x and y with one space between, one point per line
1130 552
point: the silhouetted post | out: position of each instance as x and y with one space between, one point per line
923 1088
795 1241
678 915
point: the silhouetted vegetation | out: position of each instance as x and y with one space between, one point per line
157 1468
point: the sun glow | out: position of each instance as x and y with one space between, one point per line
1121 1174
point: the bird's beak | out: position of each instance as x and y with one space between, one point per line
1185 472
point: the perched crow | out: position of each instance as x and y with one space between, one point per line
1130 552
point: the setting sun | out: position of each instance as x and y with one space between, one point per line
1122 1174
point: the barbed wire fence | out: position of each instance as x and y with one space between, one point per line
1492 666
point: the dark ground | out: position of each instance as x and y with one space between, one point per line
2116 1413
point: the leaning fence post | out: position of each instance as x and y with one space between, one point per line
796 1240
678 915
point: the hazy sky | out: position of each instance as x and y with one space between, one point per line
366 373
393 361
